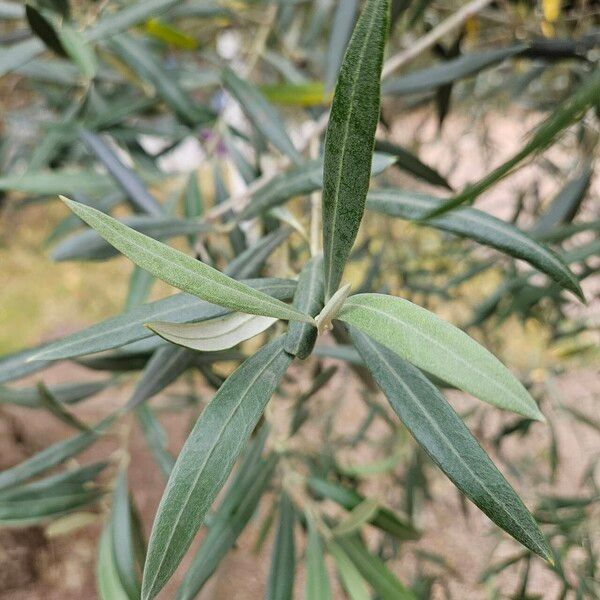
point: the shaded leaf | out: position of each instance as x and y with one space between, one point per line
317 578
44 29
479 226
280 585
301 337
262 115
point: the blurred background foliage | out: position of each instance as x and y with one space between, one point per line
131 107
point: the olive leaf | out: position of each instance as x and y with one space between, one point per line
426 341
350 139
445 438
207 458
216 334
181 270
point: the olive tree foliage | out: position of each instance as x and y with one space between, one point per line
295 97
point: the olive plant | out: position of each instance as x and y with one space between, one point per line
406 350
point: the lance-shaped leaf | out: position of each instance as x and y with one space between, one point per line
446 439
262 115
567 113
56 408
373 569
66 393
283 560
156 438
207 458
129 327
351 579
350 139
298 180
384 519
51 456
108 581
301 337
138 57
565 205
80 52
411 163
478 226
237 508
341 29
317 578
183 271
439 348
217 334
449 71
26 512
89 245
122 532
127 179
165 366
44 29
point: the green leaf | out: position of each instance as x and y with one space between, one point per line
27 512
139 288
51 183
234 513
156 438
53 406
423 339
126 178
89 245
129 327
262 115
352 580
479 226
342 25
360 515
350 139
78 49
183 271
384 519
108 581
44 29
66 393
567 113
51 456
406 161
165 366
301 337
564 206
283 561
449 71
121 535
140 59
317 578
298 180
56 485
373 569
448 442
207 458
221 333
